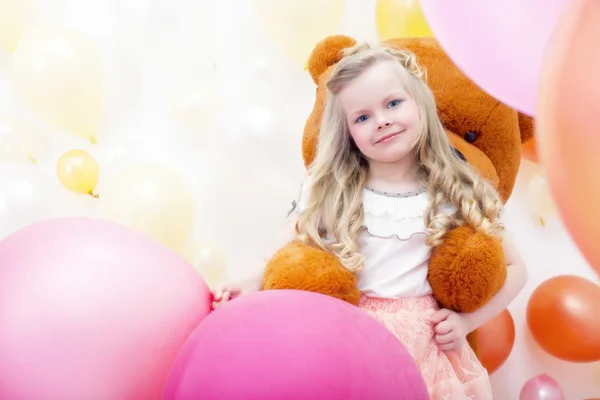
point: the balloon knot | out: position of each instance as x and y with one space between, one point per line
93 139
32 159
94 195
542 221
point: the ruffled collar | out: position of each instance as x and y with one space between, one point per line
398 206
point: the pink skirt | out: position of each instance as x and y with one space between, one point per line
449 376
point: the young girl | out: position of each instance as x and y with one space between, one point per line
385 187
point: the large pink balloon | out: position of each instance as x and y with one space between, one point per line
92 310
498 44
293 345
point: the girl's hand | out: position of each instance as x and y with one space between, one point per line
450 329
224 292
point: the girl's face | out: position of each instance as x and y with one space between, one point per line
383 119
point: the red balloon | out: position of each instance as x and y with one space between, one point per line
529 151
563 317
495 341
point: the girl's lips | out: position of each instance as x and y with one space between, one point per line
388 137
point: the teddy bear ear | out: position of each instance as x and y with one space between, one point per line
526 126
326 53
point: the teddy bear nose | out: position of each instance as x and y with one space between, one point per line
458 154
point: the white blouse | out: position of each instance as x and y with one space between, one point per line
393 243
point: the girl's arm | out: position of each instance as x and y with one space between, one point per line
253 281
516 278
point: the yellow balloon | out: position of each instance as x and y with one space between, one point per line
153 200
15 18
297 26
208 260
78 172
17 143
540 200
60 76
400 18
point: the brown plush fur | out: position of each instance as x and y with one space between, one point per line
468 268
301 267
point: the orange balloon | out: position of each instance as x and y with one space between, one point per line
563 317
529 151
567 118
495 341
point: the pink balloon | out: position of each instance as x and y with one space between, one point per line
498 44
285 344
92 310
542 387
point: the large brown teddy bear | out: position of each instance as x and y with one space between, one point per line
469 267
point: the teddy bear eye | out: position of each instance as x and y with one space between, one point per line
470 137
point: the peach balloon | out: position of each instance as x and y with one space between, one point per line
568 118
563 317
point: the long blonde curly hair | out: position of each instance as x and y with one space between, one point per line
339 171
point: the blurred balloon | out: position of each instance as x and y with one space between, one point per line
60 76
293 345
503 58
495 341
15 18
400 18
78 172
567 122
162 35
17 143
90 309
27 196
542 387
296 27
208 260
540 201
529 150
562 315
151 199
195 109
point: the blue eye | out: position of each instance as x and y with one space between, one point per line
362 118
394 103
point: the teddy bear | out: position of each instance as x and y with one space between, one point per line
468 268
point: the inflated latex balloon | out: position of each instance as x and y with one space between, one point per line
286 344
500 45
562 315
92 310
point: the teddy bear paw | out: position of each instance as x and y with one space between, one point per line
467 269
302 267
